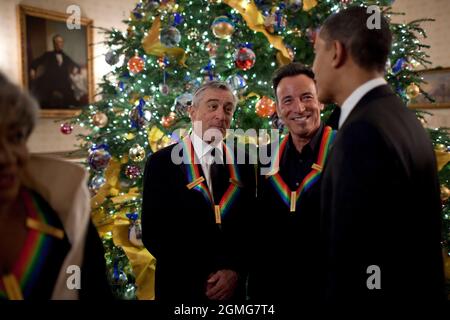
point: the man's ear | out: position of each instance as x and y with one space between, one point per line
278 111
340 54
321 106
191 110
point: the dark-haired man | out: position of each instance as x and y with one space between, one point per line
285 267
381 218
50 77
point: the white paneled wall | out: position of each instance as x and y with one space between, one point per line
104 13
438 33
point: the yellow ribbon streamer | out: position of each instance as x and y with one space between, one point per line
156 136
251 95
282 60
111 185
142 262
309 4
442 158
255 21
152 45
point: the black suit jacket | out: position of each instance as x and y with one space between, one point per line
54 87
381 206
286 244
179 229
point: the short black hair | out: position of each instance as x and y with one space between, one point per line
369 48
290 70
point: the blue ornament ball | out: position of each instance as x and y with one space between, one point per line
139 117
96 183
237 82
111 57
170 37
183 102
98 159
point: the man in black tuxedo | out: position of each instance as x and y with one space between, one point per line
53 88
285 267
380 215
192 226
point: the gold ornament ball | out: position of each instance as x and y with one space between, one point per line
137 153
440 147
412 91
99 119
222 27
193 34
445 193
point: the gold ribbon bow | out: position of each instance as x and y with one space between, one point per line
152 45
255 21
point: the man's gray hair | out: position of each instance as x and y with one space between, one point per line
17 106
214 84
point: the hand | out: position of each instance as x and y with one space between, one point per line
221 285
32 74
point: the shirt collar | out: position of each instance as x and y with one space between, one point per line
351 102
312 144
202 148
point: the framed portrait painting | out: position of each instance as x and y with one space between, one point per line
437 85
56 51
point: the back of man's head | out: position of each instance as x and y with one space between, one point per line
367 41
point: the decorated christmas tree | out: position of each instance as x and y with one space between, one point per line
169 49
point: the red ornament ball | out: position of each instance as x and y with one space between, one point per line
168 121
66 128
265 107
132 172
244 58
136 64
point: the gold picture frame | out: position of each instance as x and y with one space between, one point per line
62 77
437 85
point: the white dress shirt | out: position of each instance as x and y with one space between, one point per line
59 59
203 153
352 100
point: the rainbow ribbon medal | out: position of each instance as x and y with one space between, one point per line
197 182
19 282
289 197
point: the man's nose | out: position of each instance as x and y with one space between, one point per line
300 106
220 114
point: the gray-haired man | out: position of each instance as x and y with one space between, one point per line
194 214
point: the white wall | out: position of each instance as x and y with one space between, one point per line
104 13
438 33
